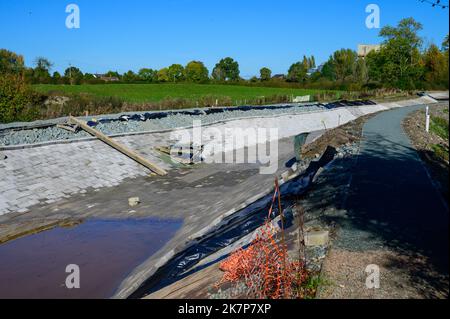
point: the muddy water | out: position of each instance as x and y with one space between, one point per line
105 251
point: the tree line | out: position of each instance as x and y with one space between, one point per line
401 62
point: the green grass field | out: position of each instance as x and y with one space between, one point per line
140 93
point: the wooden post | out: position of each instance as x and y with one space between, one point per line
121 148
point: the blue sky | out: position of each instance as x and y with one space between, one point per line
123 35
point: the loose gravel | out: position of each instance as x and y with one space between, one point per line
172 121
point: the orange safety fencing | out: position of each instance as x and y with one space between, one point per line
264 268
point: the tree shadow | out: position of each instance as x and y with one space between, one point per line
392 203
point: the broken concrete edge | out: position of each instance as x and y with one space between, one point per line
87 139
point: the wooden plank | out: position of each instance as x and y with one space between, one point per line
195 286
66 127
121 148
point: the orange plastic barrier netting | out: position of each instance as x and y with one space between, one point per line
264 268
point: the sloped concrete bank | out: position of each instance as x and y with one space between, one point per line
62 170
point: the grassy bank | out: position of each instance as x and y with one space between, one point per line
433 147
148 93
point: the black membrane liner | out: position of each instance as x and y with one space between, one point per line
232 228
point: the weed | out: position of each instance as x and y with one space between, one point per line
439 126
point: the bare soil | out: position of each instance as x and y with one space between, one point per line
343 135
348 272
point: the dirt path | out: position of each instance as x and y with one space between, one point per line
394 218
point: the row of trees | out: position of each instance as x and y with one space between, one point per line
402 62
227 70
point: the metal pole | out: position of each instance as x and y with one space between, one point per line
427 120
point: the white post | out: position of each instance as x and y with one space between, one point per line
427 120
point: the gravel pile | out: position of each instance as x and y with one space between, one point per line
32 136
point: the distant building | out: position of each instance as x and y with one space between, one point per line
279 77
365 49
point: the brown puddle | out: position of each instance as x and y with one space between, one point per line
106 251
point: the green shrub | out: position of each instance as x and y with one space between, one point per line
18 102
78 104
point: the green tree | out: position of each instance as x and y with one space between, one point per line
130 77
309 62
445 44
56 77
305 62
218 74
74 75
226 70
344 62
398 63
113 74
328 70
445 50
312 62
361 72
88 77
42 69
265 74
435 67
196 72
148 75
175 72
10 62
297 73
163 75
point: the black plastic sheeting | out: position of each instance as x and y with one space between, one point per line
233 228
345 103
159 115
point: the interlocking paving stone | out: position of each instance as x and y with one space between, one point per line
49 173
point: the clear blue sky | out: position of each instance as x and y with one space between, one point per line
123 35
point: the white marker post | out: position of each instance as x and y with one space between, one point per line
427 121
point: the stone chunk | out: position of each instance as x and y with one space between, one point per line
317 238
133 201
